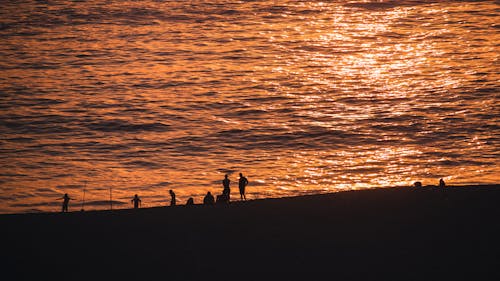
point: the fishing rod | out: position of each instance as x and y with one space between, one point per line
110 198
83 201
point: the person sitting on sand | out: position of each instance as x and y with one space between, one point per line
243 182
65 202
137 201
441 183
226 191
209 199
172 200
190 201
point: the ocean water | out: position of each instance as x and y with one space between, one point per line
140 97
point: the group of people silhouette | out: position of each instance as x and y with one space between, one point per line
418 184
207 200
225 197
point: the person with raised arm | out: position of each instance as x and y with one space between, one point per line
65 202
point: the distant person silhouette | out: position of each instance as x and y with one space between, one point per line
65 202
172 200
226 191
137 201
209 199
441 183
190 201
243 182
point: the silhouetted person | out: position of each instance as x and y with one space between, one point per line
226 191
243 182
441 183
190 201
222 199
172 200
65 202
209 199
137 201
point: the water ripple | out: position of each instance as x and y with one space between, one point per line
303 97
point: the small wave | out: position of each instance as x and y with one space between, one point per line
98 203
386 4
143 164
34 205
69 186
226 171
156 185
310 137
20 139
125 126
250 112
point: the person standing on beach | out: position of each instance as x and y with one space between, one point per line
137 202
172 199
65 202
243 182
226 191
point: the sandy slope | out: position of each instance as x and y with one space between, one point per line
381 234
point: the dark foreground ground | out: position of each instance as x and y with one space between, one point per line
382 234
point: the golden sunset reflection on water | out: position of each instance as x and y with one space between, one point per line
302 97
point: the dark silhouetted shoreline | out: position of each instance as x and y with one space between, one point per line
379 234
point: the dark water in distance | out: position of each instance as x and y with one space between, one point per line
302 97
